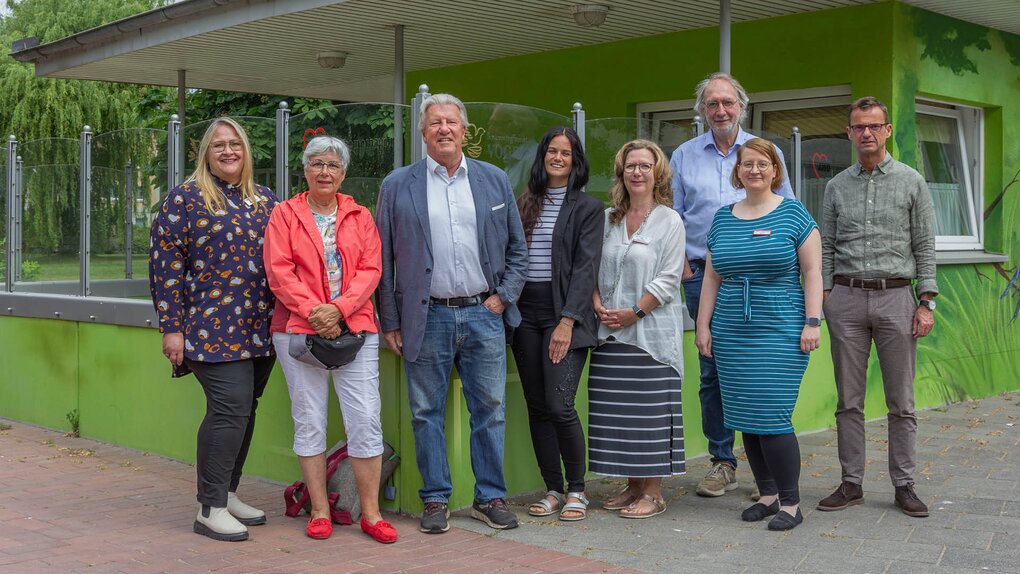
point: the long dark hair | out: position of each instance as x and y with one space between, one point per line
530 202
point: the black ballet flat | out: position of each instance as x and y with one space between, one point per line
757 511
783 521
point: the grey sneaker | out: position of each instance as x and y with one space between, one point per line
718 481
495 513
435 519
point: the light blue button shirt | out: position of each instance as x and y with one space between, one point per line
457 268
701 185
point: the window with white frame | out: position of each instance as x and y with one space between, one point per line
949 155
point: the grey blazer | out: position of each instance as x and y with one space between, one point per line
402 215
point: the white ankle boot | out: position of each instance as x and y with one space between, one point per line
247 515
218 524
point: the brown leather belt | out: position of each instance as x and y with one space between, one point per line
870 284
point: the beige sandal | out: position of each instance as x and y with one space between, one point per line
546 506
658 507
619 502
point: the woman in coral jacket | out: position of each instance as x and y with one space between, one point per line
323 262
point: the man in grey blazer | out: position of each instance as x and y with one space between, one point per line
454 263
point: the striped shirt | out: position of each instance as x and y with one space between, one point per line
540 245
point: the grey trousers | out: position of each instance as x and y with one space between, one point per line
855 318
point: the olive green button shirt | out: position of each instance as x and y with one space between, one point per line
879 225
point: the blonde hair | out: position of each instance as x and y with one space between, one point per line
662 193
212 197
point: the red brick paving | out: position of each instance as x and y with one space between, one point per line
78 505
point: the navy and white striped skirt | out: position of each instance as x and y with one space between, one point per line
635 423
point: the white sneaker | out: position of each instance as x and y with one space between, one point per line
218 524
247 515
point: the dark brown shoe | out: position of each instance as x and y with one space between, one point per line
848 494
908 501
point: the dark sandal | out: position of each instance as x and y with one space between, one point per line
658 507
756 512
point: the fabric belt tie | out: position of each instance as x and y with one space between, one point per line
870 284
460 301
745 285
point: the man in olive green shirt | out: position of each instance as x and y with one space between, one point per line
878 236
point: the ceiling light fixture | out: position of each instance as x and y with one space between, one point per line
589 15
332 60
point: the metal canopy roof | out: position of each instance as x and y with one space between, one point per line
270 46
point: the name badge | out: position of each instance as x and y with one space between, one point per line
761 232
641 239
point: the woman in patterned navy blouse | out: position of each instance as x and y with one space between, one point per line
209 288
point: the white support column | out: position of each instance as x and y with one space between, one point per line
11 227
282 151
724 36
417 144
85 205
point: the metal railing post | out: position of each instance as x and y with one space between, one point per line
417 143
10 233
577 112
699 126
282 155
85 204
129 228
173 161
797 177
19 202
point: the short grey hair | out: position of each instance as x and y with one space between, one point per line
699 94
325 144
441 100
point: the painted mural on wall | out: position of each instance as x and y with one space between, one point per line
976 331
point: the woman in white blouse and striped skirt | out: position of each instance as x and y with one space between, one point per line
635 424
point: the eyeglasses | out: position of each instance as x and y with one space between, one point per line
859 128
220 147
330 166
749 165
642 167
728 104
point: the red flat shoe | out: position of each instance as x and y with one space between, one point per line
382 531
319 528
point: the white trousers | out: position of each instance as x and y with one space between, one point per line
357 387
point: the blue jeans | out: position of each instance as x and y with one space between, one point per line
720 438
473 339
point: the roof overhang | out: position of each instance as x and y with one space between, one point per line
271 46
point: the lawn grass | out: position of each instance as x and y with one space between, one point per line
66 267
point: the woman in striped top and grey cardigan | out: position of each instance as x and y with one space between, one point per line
564 227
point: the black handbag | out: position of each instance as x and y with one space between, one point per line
335 353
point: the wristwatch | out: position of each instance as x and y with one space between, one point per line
812 321
639 312
929 303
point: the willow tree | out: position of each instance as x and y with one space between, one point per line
37 109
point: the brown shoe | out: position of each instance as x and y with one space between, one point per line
848 494
908 501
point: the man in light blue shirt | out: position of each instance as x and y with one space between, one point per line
701 185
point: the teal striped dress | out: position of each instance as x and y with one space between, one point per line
759 316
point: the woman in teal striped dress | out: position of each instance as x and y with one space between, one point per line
760 323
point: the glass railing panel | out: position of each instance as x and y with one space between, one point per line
261 135
368 130
822 158
605 136
51 216
507 136
128 184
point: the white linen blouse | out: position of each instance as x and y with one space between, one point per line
651 260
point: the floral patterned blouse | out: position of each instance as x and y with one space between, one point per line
206 274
